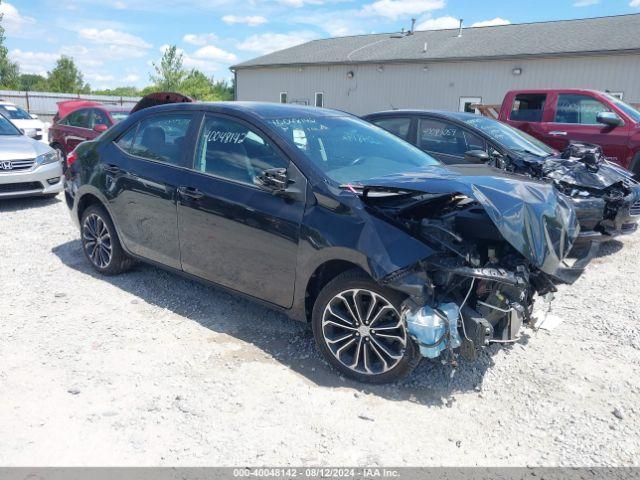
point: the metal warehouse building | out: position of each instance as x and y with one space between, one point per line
449 69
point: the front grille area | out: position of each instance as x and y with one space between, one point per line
8 166
20 187
635 208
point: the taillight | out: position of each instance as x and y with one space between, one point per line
72 157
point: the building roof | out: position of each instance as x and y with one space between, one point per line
583 36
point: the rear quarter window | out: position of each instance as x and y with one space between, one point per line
399 126
528 107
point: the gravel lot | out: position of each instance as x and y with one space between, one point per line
149 368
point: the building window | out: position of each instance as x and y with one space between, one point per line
283 97
319 99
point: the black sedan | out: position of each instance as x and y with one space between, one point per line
606 198
328 218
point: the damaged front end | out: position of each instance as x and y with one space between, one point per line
605 196
496 243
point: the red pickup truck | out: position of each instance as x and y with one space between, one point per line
557 116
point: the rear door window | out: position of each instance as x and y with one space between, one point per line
579 109
399 126
528 107
448 138
160 138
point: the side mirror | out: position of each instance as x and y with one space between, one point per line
274 179
610 119
100 127
33 116
476 156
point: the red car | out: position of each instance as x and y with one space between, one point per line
81 120
558 116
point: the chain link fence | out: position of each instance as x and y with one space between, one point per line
45 104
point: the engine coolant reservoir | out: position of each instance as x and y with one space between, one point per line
430 329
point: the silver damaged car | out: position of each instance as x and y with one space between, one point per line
27 167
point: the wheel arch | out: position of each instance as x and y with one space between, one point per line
321 276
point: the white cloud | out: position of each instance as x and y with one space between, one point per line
634 3
112 37
120 5
33 62
207 59
335 22
131 78
200 39
271 42
491 23
440 23
300 3
99 78
585 3
251 20
14 23
214 53
393 9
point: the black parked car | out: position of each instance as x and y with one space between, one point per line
605 196
328 218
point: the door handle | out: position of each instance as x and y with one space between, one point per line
558 133
189 192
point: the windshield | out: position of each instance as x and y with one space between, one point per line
349 150
510 137
7 128
625 107
118 116
14 113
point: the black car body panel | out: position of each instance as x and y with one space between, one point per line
426 233
604 195
529 215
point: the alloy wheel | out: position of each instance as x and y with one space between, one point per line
97 241
364 331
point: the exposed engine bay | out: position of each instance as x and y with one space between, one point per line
605 195
479 284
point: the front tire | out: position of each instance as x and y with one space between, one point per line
359 330
100 242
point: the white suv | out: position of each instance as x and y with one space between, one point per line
29 124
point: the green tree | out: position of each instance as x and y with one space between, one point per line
32 83
119 91
9 71
169 73
223 90
66 77
198 86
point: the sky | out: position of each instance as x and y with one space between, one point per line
114 42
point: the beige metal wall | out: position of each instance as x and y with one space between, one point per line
437 85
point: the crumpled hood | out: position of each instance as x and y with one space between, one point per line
572 171
536 220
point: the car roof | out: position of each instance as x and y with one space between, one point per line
555 90
460 116
260 110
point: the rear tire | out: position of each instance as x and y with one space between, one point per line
100 242
358 329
